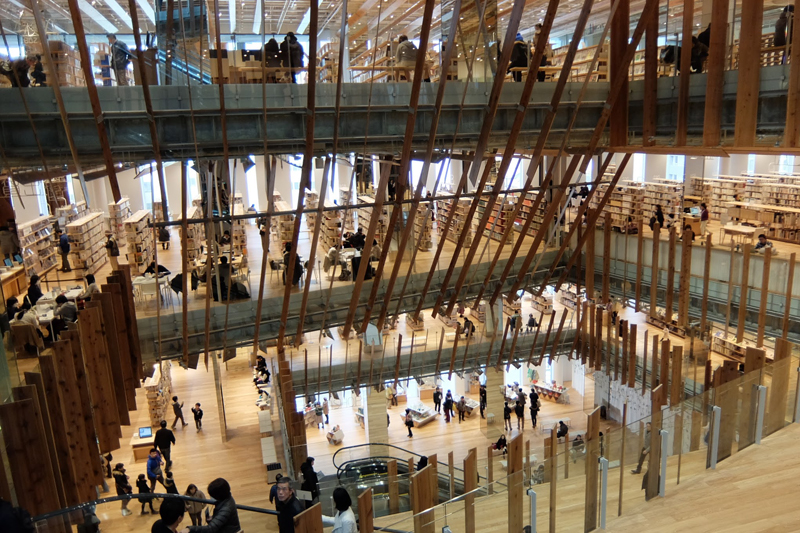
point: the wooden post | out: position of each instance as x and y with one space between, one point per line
658 400
394 489
644 363
553 475
670 274
433 462
654 270
624 372
706 278
654 365
779 389
598 340
365 512
490 470
592 456
684 278
607 246
676 390
663 373
451 469
310 520
590 238
716 71
470 484
639 265
762 309
516 490
620 30
422 500
632 360
749 74
624 431
650 107
789 282
743 293
686 71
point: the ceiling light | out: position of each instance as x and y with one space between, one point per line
304 23
147 9
257 20
96 16
232 15
121 13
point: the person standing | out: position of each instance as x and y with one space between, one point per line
225 518
120 58
177 408
310 480
519 57
122 485
703 219
344 521
154 473
326 410
437 400
290 506
659 216
112 249
318 415
645 449
507 417
531 323
482 395
292 54
63 249
389 396
169 484
171 515
448 407
198 416
164 440
405 57
519 410
195 509
410 422
534 411
273 492
462 409
141 484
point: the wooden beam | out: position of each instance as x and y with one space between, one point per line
590 242
654 270
620 30
592 480
624 372
658 400
670 292
546 337
632 360
639 258
453 355
470 484
686 71
394 488
743 294
715 78
366 514
749 74
553 471
607 258
663 373
762 309
94 100
650 103
684 278
676 387
706 281
779 388
787 303
644 363
654 367
515 484
422 501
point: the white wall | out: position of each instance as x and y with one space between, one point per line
27 196
655 166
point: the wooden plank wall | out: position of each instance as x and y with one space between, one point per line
779 388
470 484
126 357
749 74
421 499
366 514
716 72
310 520
516 489
658 400
108 327
650 107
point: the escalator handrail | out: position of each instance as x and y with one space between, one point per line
339 467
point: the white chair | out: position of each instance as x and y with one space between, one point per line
149 288
243 274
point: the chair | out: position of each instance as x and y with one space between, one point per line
24 335
243 274
274 267
149 288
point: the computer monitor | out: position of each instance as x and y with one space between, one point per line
696 211
145 433
8 262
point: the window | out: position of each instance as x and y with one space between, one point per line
589 171
296 173
751 164
786 164
150 189
515 177
71 190
251 179
41 197
675 167
416 173
638 167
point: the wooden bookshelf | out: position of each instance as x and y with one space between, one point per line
38 242
459 222
87 243
728 347
625 201
118 212
140 240
669 196
239 231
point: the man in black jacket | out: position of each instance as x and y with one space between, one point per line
292 54
164 439
290 505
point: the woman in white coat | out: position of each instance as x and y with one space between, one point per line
345 520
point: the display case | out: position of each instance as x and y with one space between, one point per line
421 414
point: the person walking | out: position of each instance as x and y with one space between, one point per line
452 403
519 57
290 506
448 407
405 57
645 450
437 400
462 409
410 422
531 323
318 415
154 473
344 521
144 488
507 417
120 58
169 484
225 518
122 485
195 509
534 410
703 219
310 480
389 396
164 440
519 410
63 249
482 395
326 409
198 416
112 249
177 408
273 492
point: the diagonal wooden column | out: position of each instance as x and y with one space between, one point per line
606 294
654 270
715 78
684 278
749 74
639 265
620 29
787 305
686 72
670 293
764 289
94 100
592 445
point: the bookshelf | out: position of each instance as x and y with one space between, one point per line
625 200
728 347
118 212
140 240
195 233
422 227
365 214
87 243
283 225
542 304
568 297
501 213
70 213
158 391
526 211
459 222
724 190
668 195
38 243
312 203
239 231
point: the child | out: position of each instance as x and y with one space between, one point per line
198 416
144 488
169 484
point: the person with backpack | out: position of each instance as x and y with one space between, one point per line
531 323
519 57
63 249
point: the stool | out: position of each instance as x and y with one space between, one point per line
489 419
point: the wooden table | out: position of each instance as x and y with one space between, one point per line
739 233
142 447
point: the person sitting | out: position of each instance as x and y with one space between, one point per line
762 244
422 463
151 269
501 444
519 57
562 429
12 307
631 228
687 230
91 288
34 290
66 312
225 239
225 270
469 327
578 442
359 239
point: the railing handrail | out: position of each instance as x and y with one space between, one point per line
339 468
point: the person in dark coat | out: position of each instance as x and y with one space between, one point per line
34 290
705 36
171 515
164 439
17 71
144 488
699 54
290 506
437 400
310 480
272 57
519 57
38 77
225 518
122 485
292 54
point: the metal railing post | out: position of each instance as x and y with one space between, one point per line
762 401
532 495
603 491
716 413
662 484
